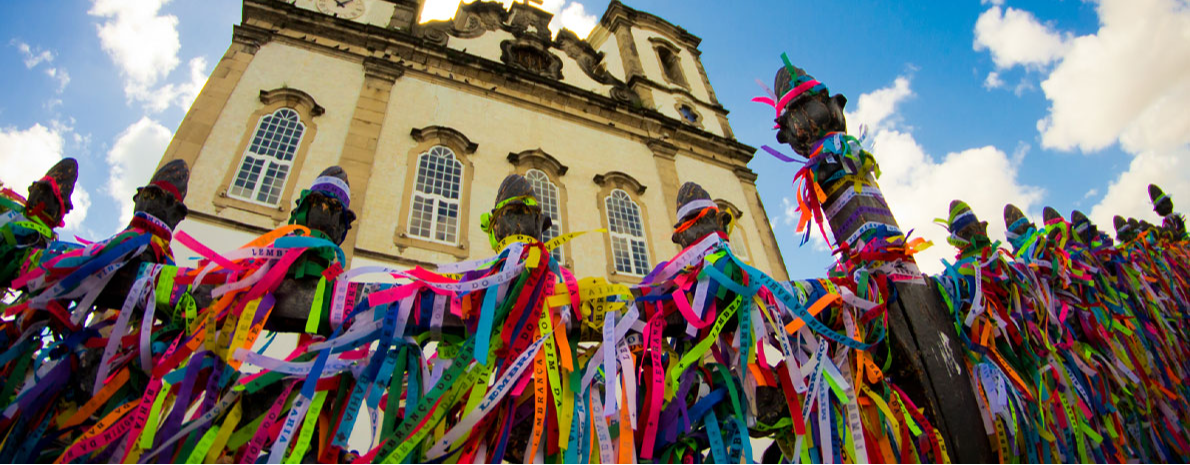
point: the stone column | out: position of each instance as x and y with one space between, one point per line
363 134
200 120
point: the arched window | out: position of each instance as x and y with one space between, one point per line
669 57
435 212
269 157
547 196
629 249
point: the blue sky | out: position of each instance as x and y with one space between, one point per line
1074 104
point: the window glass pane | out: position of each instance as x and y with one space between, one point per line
437 188
629 250
620 254
640 258
275 143
422 217
547 197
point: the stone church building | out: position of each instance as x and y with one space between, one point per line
427 119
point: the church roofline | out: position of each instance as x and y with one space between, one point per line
617 11
413 52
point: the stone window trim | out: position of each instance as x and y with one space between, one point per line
741 248
271 101
464 151
538 159
693 108
669 59
609 182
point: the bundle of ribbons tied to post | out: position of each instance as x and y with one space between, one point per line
1077 342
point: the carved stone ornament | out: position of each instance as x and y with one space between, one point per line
624 94
471 20
527 20
589 60
530 55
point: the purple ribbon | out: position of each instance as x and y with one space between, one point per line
855 215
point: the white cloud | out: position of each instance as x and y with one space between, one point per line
575 18
1128 194
919 187
993 81
143 43
789 213
1015 37
567 14
877 109
1091 193
35 56
59 75
1128 83
133 158
180 94
436 10
27 154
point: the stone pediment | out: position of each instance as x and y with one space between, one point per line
525 41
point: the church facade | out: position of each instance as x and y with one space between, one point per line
427 119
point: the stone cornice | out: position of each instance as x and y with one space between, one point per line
383 69
746 174
638 79
541 157
250 36
444 133
294 98
620 179
662 148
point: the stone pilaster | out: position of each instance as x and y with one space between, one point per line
200 120
667 168
405 13
363 134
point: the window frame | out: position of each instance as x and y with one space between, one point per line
438 200
630 240
254 194
544 201
610 182
271 101
427 138
675 54
680 102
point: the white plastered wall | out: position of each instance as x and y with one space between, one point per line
334 83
